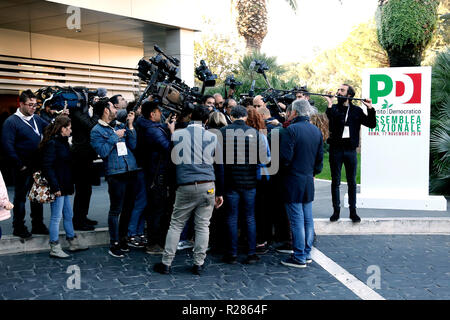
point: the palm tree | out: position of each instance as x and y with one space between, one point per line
440 125
252 21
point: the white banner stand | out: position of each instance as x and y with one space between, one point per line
395 155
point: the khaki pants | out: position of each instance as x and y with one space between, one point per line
197 199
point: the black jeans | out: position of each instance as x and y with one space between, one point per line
23 180
82 170
339 156
121 189
156 211
263 215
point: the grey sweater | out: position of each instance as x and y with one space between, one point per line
193 154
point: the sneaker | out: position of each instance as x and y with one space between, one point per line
135 242
185 244
262 248
229 259
290 262
308 261
154 249
124 247
285 248
115 251
143 239
251 259
40 229
22 233
162 268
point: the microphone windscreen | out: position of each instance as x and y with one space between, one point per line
101 92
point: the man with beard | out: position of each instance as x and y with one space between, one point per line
345 120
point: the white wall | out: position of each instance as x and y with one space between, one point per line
39 46
184 14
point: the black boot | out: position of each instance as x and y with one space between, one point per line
335 216
354 216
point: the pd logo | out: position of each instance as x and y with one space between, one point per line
408 87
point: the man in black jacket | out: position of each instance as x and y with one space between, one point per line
153 155
83 167
345 120
241 157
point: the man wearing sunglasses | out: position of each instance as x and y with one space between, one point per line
22 133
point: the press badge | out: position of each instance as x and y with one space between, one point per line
346 133
121 149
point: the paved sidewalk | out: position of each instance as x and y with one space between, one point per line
411 267
322 207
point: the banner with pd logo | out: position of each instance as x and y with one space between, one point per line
395 154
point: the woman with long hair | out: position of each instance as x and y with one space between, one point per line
56 168
263 217
255 120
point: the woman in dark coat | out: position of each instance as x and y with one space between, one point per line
56 169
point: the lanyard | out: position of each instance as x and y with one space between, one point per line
346 115
35 128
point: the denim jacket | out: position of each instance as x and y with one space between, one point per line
104 141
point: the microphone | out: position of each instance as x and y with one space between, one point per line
252 65
251 92
101 92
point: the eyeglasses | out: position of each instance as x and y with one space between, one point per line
32 105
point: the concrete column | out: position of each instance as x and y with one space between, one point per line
180 44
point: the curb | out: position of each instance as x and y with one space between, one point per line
367 226
387 226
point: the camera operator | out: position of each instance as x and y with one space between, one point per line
154 147
83 155
47 113
114 142
120 104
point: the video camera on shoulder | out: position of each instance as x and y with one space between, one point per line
59 98
160 74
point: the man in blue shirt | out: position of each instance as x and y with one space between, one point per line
22 133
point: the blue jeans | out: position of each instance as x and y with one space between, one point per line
61 208
302 227
232 199
137 220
